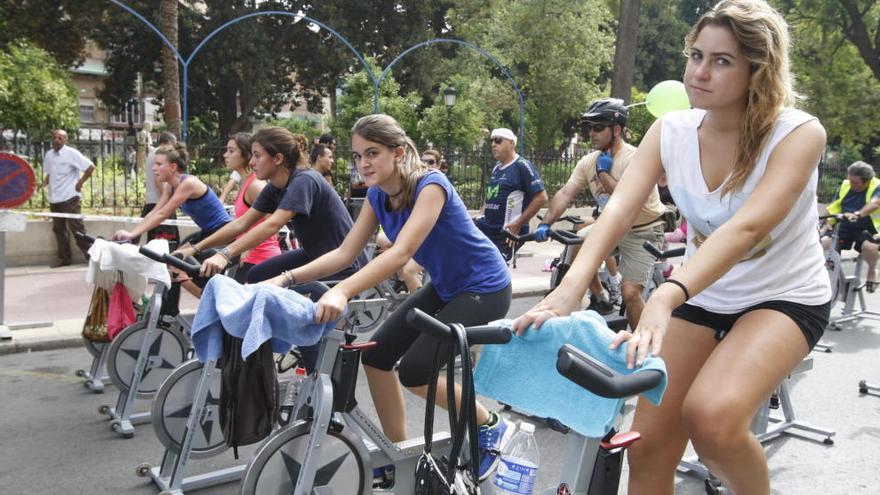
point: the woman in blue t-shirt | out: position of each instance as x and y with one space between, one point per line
426 220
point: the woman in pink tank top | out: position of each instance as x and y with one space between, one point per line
237 157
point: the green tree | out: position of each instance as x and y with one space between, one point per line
252 69
558 51
466 119
357 100
61 27
662 28
835 73
36 94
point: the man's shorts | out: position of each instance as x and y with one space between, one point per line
853 240
635 263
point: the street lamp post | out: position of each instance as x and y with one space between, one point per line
449 96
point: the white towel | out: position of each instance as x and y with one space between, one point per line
108 258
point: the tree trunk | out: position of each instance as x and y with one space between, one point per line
857 32
625 51
171 71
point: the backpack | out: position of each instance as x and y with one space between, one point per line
248 394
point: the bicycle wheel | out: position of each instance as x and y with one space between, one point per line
343 467
172 407
366 318
167 351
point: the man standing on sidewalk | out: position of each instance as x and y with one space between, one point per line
514 194
65 171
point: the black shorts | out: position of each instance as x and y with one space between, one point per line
812 320
854 240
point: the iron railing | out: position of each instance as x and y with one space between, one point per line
117 187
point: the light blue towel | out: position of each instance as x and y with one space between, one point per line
254 313
523 373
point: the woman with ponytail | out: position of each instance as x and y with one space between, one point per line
426 220
179 190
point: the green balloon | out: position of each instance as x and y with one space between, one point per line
667 96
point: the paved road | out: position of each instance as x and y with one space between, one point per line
53 441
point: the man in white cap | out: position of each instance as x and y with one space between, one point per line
514 193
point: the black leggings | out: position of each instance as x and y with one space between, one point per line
287 260
397 340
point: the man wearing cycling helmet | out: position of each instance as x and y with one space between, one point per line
605 122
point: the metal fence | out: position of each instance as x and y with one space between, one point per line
117 187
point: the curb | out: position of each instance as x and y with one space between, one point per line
15 347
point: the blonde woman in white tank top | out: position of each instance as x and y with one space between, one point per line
744 167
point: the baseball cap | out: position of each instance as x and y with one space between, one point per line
505 133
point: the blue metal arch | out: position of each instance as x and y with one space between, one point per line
471 46
186 62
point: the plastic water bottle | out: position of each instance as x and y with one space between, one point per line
518 469
291 392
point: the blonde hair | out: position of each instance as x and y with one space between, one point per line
762 35
383 129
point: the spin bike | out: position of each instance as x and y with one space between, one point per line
95 378
185 415
333 447
845 288
144 354
593 465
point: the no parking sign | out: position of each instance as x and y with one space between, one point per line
16 180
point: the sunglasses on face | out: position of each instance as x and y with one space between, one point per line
430 161
497 140
587 128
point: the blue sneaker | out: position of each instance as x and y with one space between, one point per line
492 438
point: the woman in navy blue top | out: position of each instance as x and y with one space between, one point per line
424 217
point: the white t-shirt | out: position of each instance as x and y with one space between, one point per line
64 168
788 264
234 175
151 188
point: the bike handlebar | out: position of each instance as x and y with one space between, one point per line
85 237
593 375
838 216
669 253
190 266
574 220
563 236
483 334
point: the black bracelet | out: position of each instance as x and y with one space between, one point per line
687 295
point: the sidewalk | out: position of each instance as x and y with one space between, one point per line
45 307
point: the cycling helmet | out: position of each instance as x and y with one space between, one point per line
610 110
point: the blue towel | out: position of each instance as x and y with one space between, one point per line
523 373
254 313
